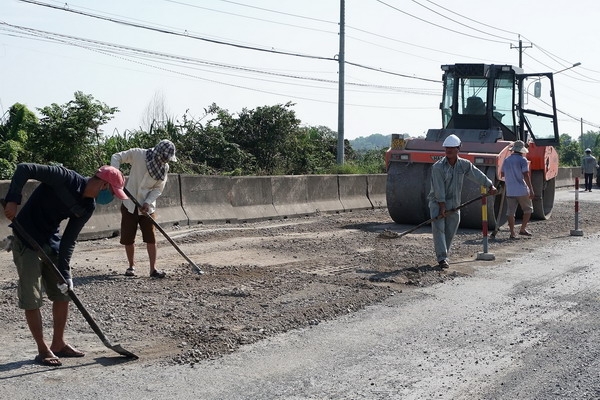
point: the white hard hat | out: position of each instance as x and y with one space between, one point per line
451 141
588 150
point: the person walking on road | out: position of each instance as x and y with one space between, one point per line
62 194
146 181
519 190
588 166
447 177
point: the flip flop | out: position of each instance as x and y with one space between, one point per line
48 361
69 351
525 233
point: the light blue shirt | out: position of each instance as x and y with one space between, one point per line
447 181
513 169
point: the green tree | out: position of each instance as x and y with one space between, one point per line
207 150
14 132
569 152
309 151
263 132
70 134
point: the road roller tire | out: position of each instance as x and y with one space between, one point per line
543 203
406 192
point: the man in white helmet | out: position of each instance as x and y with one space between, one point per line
447 177
588 166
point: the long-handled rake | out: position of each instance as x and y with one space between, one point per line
430 220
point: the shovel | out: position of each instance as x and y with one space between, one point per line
195 268
399 235
42 254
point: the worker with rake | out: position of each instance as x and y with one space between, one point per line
447 177
146 181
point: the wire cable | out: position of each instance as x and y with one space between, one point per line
436 25
453 20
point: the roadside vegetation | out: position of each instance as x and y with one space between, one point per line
268 140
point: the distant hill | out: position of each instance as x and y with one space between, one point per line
376 141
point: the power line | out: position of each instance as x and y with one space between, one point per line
254 18
264 9
436 25
391 73
170 32
63 39
448 18
262 49
470 19
48 36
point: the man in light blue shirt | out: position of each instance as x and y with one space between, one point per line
519 190
447 177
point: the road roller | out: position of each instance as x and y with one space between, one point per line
488 107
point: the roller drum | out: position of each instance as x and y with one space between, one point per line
406 192
406 195
544 195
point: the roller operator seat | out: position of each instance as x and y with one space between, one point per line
475 106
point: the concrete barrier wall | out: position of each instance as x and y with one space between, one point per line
353 192
207 199
323 193
252 198
193 199
376 190
290 196
566 177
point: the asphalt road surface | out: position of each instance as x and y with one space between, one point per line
525 328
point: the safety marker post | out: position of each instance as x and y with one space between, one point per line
484 222
576 231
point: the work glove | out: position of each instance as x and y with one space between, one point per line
65 287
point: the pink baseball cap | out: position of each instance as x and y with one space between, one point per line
115 179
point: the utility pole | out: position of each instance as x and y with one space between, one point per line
341 62
520 51
581 134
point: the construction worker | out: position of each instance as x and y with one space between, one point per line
588 165
61 195
146 181
447 177
519 189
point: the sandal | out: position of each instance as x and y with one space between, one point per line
48 361
525 233
130 271
158 274
69 351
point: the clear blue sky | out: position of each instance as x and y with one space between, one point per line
44 58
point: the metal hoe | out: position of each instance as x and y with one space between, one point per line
195 268
441 216
42 254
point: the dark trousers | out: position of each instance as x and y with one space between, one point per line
588 181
